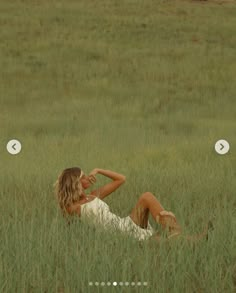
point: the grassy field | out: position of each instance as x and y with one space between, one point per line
144 88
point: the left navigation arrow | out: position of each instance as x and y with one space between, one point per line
13 147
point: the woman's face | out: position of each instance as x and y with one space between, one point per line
85 181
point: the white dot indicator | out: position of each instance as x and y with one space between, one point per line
114 283
108 283
126 283
222 147
102 283
132 283
13 147
139 283
121 283
96 283
144 283
90 283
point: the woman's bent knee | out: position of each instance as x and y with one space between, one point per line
146 196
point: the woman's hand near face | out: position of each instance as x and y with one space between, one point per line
94 172
91 177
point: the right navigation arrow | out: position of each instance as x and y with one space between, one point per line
222 147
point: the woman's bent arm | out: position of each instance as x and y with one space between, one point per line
111 174
118 179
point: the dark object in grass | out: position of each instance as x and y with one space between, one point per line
210 228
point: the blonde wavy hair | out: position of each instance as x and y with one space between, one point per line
68 188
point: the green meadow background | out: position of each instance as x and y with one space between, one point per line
144 88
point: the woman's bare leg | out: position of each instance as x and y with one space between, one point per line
146 203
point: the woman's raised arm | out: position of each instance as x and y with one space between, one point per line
118 180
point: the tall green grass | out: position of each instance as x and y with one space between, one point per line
144 88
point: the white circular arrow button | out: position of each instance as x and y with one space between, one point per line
222 147
13 146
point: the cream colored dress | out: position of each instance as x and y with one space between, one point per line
98 212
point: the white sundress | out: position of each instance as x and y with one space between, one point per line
98 212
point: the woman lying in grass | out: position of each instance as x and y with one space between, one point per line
70 191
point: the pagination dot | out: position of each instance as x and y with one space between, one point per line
118 283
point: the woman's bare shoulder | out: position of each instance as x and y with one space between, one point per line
74 209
